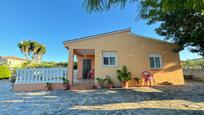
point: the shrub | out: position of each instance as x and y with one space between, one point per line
101 82
109 80
5 73
49 86
66 83
123 75
65 80
47 65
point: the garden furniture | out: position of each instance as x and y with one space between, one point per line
148 78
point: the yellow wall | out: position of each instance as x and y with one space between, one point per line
133 51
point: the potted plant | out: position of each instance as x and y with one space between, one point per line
49 86
124 76
109 82
138 81
66 83
100 82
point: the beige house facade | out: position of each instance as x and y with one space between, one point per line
103 54
11 61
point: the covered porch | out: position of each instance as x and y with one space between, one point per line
85 59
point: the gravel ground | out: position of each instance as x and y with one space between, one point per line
162 100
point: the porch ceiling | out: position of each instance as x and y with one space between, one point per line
85 51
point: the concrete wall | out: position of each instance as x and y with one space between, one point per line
133 51
38 86
197 73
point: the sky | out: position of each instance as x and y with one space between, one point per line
51 22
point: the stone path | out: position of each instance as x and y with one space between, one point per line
165 100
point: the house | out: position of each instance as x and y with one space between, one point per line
11 61
105 53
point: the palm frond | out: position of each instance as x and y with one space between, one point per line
104 5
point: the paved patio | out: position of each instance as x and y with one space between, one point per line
166 100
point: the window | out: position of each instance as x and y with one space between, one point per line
9 62
109 58
155 61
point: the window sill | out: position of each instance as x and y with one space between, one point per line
156 68
109 65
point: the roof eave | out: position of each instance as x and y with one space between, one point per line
158 40
97 35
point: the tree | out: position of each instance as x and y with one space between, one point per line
169 5
24 47
181 21
31 49
165 5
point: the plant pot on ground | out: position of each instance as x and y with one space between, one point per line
110 86
101 82
138 81
124 76
124 84
109 82
66 86
66 83
49 86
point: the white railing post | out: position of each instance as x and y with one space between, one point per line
23 76
17 76
42 75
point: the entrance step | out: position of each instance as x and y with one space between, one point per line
83 85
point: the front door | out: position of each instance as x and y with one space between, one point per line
86 67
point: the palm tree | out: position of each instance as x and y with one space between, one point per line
24 46
40 52
104 5
32 50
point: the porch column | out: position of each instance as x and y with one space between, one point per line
71 66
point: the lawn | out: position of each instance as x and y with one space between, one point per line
188 99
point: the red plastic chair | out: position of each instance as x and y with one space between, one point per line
91 74
148 78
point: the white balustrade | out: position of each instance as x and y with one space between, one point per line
41 75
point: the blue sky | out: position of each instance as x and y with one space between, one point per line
51 22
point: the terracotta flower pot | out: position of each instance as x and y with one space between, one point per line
99 87
125 84
110 86
66 86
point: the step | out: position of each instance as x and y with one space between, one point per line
82 85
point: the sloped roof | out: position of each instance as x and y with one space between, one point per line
97 35
12 57
113 32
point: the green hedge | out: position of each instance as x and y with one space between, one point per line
4 72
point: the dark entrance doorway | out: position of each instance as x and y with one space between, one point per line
86 67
